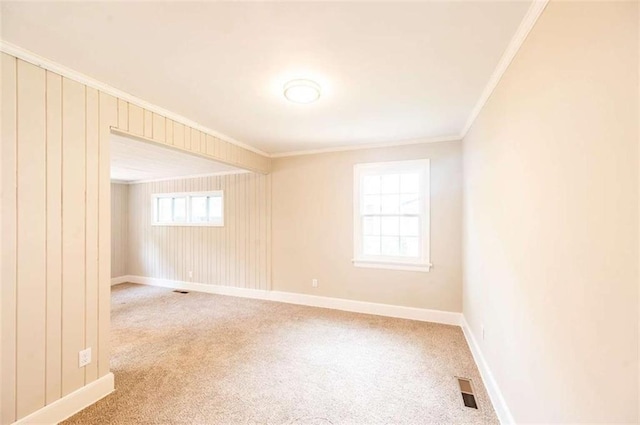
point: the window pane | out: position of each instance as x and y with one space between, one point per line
390 245
198 209
371 185
179 209
371 225
164 210
409 226
410 183
215 208
409 247
390 183
390 226
371 245
371 204
390 204
409 204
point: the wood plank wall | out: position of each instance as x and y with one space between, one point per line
119 229
233 255
56 226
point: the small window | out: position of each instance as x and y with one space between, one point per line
391 215
188 209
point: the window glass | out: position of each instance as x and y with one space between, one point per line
164 209
198 209
180 209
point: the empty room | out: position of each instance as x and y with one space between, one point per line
314 213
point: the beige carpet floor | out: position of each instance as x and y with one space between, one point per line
208 359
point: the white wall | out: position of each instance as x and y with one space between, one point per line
313 229
119 229
551 219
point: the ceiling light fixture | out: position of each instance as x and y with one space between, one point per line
302 91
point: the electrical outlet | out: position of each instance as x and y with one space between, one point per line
314 283
190 274
84 357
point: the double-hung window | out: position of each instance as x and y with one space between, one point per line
188 209
391 215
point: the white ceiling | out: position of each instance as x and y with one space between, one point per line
134 160
389 71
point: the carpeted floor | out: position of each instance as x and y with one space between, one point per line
207 359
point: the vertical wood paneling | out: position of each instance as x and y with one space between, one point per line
233 255
159 128
178 135
123 115
108 117
136 120
9 238
73 233
169 131
32 230
91 225
56 268
148 124
54 237
119 228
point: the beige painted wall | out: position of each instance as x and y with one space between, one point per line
119 229
313 229
234 255
551 219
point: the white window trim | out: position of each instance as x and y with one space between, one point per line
385 262
187 196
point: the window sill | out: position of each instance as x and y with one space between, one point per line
392 266
188 224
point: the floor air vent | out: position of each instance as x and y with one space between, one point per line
467 393
179 291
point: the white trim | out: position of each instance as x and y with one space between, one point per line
528 22
361 170
456 138
387 310
119 280
71 404
392 266
52 66
116 181
497 399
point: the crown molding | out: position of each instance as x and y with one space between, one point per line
367 146
528 22
52 66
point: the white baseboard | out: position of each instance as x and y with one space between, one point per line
72 403
424 315
119 280
497 399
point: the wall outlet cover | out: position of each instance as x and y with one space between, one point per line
84 357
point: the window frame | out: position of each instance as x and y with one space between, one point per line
187 196
423 263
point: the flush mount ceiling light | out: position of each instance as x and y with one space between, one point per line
302 91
